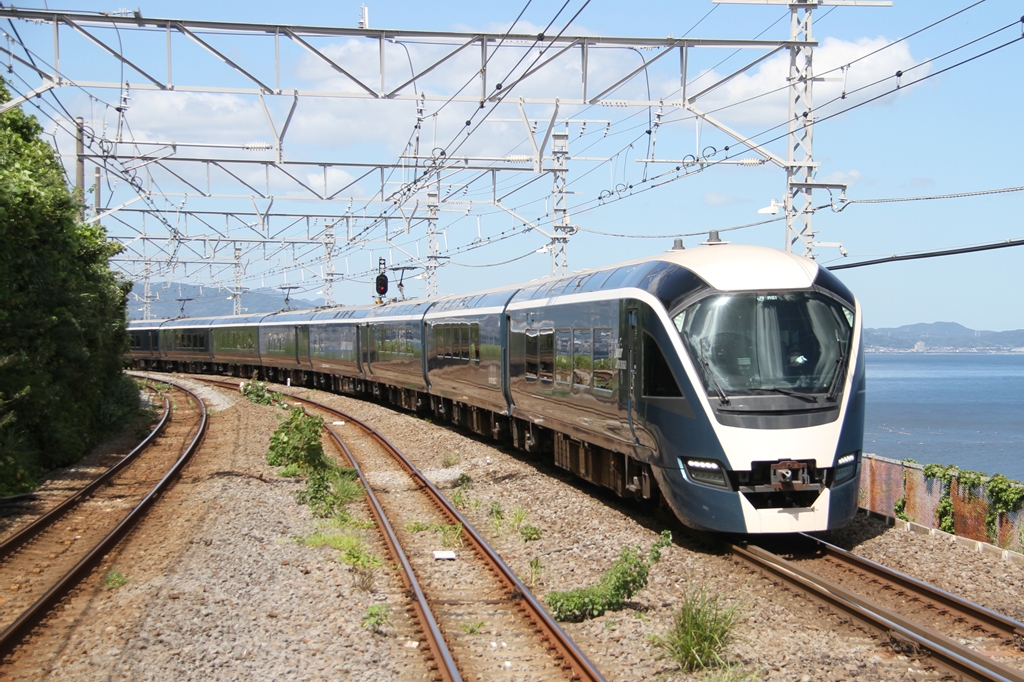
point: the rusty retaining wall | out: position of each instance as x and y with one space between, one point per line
884 482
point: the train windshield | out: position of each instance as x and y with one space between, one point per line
757 343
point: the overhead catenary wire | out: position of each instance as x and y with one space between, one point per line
930 254
740 227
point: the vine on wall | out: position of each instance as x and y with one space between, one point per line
1003 495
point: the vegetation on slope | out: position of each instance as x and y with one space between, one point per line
62 315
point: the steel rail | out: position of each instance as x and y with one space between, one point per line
31 617
978 612
16 541
435 639
940 647
566 649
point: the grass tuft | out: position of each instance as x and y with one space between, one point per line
451 534
114 579
530 533
376 617
700 632
473 628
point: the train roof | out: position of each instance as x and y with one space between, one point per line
145 324
188 322
669 276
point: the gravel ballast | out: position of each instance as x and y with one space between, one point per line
219 589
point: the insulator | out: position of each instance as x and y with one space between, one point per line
518 158
258 146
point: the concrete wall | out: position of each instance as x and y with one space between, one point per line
884 481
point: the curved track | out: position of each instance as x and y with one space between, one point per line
919 619
43 562
449 597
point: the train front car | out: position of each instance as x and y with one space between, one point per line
770 346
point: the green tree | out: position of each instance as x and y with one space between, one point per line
62 314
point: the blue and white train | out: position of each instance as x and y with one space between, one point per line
725 382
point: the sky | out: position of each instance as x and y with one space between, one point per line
948 128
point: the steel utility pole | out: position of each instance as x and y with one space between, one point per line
430 275
236 295
80 167
799 164
561 230
329 243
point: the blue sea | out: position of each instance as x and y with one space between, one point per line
965 409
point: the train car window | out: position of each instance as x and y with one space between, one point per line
626 275
581 356
658 379
547 354
155 337
563 356
531 353
474 342
456 341
464 341
605 370
439 340
448 333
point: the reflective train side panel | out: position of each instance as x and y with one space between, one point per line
725 382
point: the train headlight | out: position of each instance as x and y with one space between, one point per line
706 471
846 466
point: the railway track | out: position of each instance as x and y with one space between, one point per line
452 599
44 562
920 620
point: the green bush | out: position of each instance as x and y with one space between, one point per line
256 391
626 577
297 441
700 631
120 404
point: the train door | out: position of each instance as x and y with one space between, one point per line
632 353
366 343
504 334
302 345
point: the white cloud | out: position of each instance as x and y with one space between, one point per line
770 77
191 116
848 178
721 199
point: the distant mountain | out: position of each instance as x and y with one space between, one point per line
207 301
941 337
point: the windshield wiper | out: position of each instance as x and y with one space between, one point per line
786 391
723 399
833 392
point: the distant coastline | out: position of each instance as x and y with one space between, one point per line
942 337
944 351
